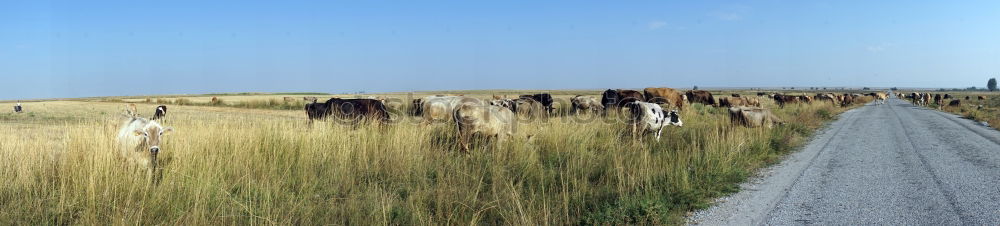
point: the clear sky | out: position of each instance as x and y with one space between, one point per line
103 48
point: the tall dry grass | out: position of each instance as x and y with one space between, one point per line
238 166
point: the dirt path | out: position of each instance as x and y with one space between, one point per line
892 164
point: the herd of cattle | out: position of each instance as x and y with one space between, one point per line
647 112
923 99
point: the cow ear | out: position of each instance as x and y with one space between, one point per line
139 132
167 130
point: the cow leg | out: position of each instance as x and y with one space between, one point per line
463 141
658 134
636 135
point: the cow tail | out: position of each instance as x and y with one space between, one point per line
456 117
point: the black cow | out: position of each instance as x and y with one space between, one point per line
316 111
161 111
544 98
609 99
349 109
17 108
417 107
617 98
783 99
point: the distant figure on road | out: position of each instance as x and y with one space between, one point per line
17 108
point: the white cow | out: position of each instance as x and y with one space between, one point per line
440 108
585 104
139 141
651 118
880 98
753 117
484 119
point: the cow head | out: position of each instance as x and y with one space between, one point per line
152 134
675 119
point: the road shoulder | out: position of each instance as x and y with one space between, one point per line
770 184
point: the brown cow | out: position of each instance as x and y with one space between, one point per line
664 96
982 97
955 103
700 96
288 99
631 94
846 100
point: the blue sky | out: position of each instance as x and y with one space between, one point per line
102 48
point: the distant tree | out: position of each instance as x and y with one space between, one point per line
893 89
824 88
695 88
992 84
866 88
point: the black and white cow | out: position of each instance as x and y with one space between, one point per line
648 117
161 111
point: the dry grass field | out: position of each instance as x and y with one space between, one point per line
262 165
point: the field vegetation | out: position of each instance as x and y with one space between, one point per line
260 165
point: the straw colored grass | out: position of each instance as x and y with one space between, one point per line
256 166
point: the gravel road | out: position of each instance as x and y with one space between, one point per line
891 164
